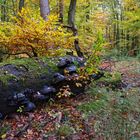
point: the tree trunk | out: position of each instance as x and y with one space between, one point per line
71 13
71 22
44 9
21 4
61 10
3 11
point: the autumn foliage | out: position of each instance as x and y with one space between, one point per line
30 34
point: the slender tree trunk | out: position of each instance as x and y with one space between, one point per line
61 10
3 11
117 32
71 13
21 5
88 11
71 22
13 4
44 9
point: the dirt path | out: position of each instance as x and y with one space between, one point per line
130 70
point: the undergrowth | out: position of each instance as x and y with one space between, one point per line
116 112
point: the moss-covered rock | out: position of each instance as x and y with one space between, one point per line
33 74
16 75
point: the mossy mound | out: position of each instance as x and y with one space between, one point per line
16 75
29 80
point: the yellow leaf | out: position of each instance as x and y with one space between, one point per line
3 136
78 84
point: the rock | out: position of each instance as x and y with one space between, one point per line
16 99
47 90
71 69
11 102
15 78
68 60
13 69
19 97
25 102
29 107
29 93
58 78
64 62
34 96
97 76
39 97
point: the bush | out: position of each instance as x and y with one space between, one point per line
30 34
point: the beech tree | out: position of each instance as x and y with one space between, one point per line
44 9
3 10
21 4
71 23
61 10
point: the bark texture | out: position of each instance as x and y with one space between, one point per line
44 9
21 4
61 10
71 22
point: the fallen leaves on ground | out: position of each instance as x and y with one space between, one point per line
47 120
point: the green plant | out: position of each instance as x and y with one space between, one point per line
3 130
6 77
94 55
65 130
117 112
111 79
20 109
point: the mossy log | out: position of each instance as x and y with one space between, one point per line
27 81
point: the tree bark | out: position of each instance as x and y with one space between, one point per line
44 9
3 11
71 13
61 10
71 22
21 5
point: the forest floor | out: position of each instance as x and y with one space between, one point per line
63 120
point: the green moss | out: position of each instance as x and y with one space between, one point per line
35 67
65 130
4 78
111 78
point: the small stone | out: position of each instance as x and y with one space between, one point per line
64 62
39 97
71 69
58 78
28 92
19 97
25 102
29 107
97 76
47 90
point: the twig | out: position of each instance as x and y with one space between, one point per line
20 132
43 124
24 128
